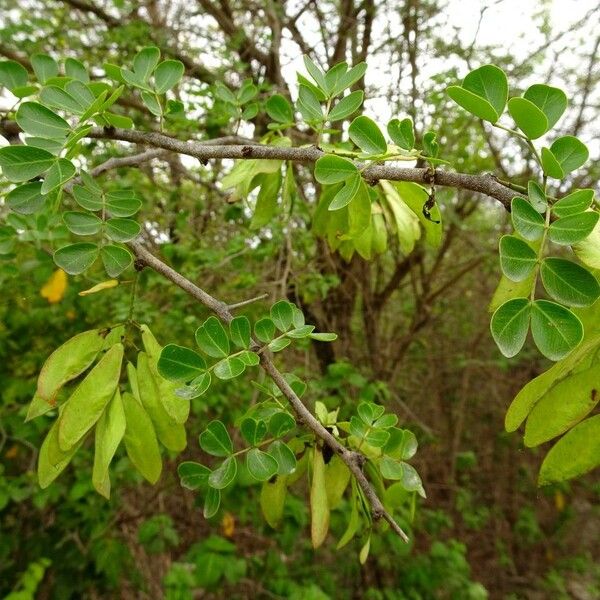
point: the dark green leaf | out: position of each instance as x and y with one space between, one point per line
264 329
167 75
26 199
76 258
122 230
569 283
346 106
215 440
262 466
517 258
178 363
253 431
285 458
282 314
537 197
402 133
193 475
334 169
510 324
82 223
122 203
59 173
58 98
556 330
212 502
44 67
212 338
526 220
21 163
224 475
279 109
573 229
229 368
576 202
365 133
12 74
115 259
239 331
550 100
529 118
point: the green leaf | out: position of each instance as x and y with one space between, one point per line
281 423
346 106
365 134
250 359
76 70
529 118
517 258
402 444
315 72
193 475
253 431
286 460
152 103
212 501
282 314
510 324
122 230
569 283
483 93
309 106
115 259
239 331
215 440
402 133
26 199
550 100
526 220
349 78
323 337
122 203
44 67
224 475
575 454
278 344
574 203
81 223
145 62
212 339
333 76
82 94
59 173
21 163
229 368
178 363
556 330
76 258
86 198
573 229
347 193
118 121
264 329
198 386
537 197
52 461
566 154
279 109
334 169
262 466
167 75
58 98
12 74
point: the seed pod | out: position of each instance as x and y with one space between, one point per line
88 401
67 362
319 507
140 439
178 408
109 433
51 459
171 434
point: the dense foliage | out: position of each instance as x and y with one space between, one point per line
308 289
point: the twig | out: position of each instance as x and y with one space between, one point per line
353 460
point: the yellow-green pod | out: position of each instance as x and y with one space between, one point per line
51 459
171 434
133 382
319 507
178 408
88 401
67 362
109 433
140 439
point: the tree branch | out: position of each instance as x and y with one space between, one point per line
353 460
484 184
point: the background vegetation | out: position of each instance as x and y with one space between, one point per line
413 330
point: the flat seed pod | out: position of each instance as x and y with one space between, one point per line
171 434
109 433
88 401
140 439
319 507
52 461
67 362
177 407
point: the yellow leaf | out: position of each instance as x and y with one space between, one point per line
54 289
103 285
228 524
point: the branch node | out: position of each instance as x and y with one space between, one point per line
247 151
